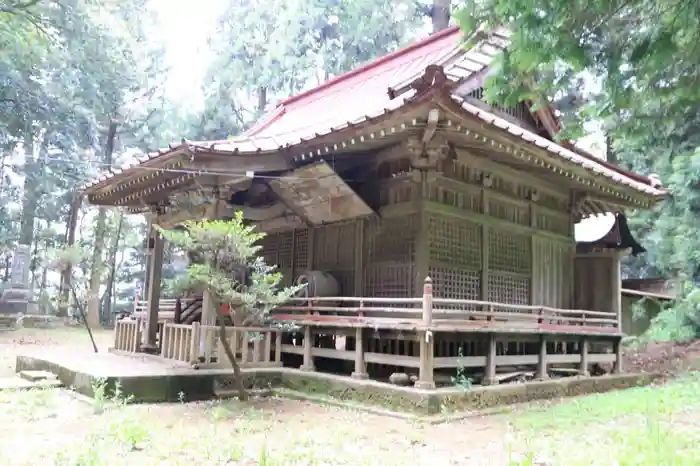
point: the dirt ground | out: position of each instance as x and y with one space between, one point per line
184 433
54 427
667 358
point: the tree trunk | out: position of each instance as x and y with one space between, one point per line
33 263
237 376
440 15
262 100
66 274
29 201
609 152
93 308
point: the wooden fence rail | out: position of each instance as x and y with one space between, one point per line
200 344
127 335
430 313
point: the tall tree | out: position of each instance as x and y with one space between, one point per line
630 66
268 51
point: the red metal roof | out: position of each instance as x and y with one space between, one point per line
361 91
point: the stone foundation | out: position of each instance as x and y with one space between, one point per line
191 385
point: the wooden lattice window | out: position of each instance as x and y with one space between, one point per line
391 239
454 242
269 249
285 251
508 289
389 256
390 280
301 250
334 246
455 284
509 252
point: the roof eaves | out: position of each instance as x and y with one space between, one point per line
608 170
140 162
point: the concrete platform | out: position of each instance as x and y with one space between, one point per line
150 379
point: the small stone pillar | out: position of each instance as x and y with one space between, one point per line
426 343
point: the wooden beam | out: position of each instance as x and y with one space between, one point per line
511 174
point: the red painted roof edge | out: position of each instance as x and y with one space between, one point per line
369 66
270 118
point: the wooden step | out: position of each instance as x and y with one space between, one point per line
36 376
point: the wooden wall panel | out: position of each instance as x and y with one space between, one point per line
593 283
552 273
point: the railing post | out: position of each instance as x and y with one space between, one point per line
278 347
542 360
583 367
427 301
194 342
617 347
117 330
360 371
165 342
136 344
490 369
308 364
425 371
177 314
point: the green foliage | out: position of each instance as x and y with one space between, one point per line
460 379
228 253
679 322
269 50
630 67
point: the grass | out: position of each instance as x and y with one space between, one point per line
658 425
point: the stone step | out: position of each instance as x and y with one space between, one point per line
36 376
16 383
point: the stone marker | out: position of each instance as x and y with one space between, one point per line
17 298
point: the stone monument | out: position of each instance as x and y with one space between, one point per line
17 296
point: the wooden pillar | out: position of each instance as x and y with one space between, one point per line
583 367
484 249
360 371
534 270
425 370
490 369
308 364
617 347
616 289
359 257
542 359
422 256
149 260
156 266
427 343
